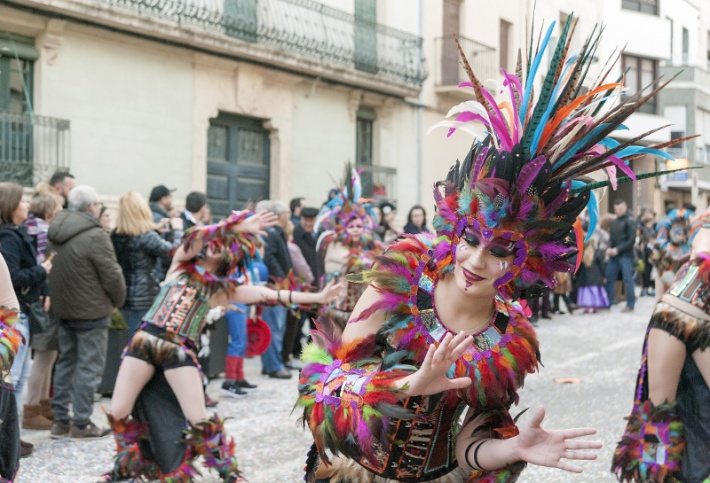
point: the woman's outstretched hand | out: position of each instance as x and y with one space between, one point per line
256 223
431 377
543 447
330 292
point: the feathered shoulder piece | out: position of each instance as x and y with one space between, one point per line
348 205
238 250
523 178
396 273
347 393
10 339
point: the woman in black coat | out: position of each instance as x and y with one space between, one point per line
138 248
29 278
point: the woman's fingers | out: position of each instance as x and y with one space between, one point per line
572 455
563 465
578 432
537 418
583 444
460 382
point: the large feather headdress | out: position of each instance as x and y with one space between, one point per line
346 206
522 180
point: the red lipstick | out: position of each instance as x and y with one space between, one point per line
471 277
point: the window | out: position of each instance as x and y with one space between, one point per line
364 146
17 56
643 6
366 36
505 28
686 46
708 50
640 73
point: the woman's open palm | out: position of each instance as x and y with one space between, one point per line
543 447
431 376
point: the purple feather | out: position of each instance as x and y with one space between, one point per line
552 251
561 199
529 173
480 160
498 122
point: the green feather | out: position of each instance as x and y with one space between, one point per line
625 179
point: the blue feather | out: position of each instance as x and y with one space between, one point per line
592 209
576 146
631 150
533 71
548 111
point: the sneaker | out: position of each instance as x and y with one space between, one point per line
244 384
60 430
627 309
294 365
209 402
280 374
91 431
232 390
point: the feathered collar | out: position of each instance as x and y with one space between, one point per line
502 353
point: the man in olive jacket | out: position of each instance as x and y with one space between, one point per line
86 284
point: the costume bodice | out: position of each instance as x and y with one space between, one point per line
179 309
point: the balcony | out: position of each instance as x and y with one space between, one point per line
32 147
448 70
301 36
686 74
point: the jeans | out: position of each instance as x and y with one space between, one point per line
237 326
133 319
625 265
77 374
275 317
21 365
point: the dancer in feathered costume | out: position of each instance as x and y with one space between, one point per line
437 332
346 246
671 247
159 373
667 438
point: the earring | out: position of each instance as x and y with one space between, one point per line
503 264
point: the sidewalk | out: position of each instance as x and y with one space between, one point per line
602 350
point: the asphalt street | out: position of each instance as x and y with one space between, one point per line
590 363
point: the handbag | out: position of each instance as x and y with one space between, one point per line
40 321
653 445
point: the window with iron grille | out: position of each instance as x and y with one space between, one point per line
643 6
364 147
641 72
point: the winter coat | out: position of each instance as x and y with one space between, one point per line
138 257
28 278
307 243
86 281
591 275
276 256
622 235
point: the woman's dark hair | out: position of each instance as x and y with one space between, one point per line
409 216
10 198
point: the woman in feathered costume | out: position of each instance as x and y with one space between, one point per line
667 437
437 333
346 246
159 375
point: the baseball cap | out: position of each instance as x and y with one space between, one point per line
159 192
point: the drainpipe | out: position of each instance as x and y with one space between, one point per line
419 108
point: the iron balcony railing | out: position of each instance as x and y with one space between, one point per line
379 182
300 26
32 147
449 72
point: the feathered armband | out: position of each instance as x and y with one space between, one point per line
349 395
10 338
